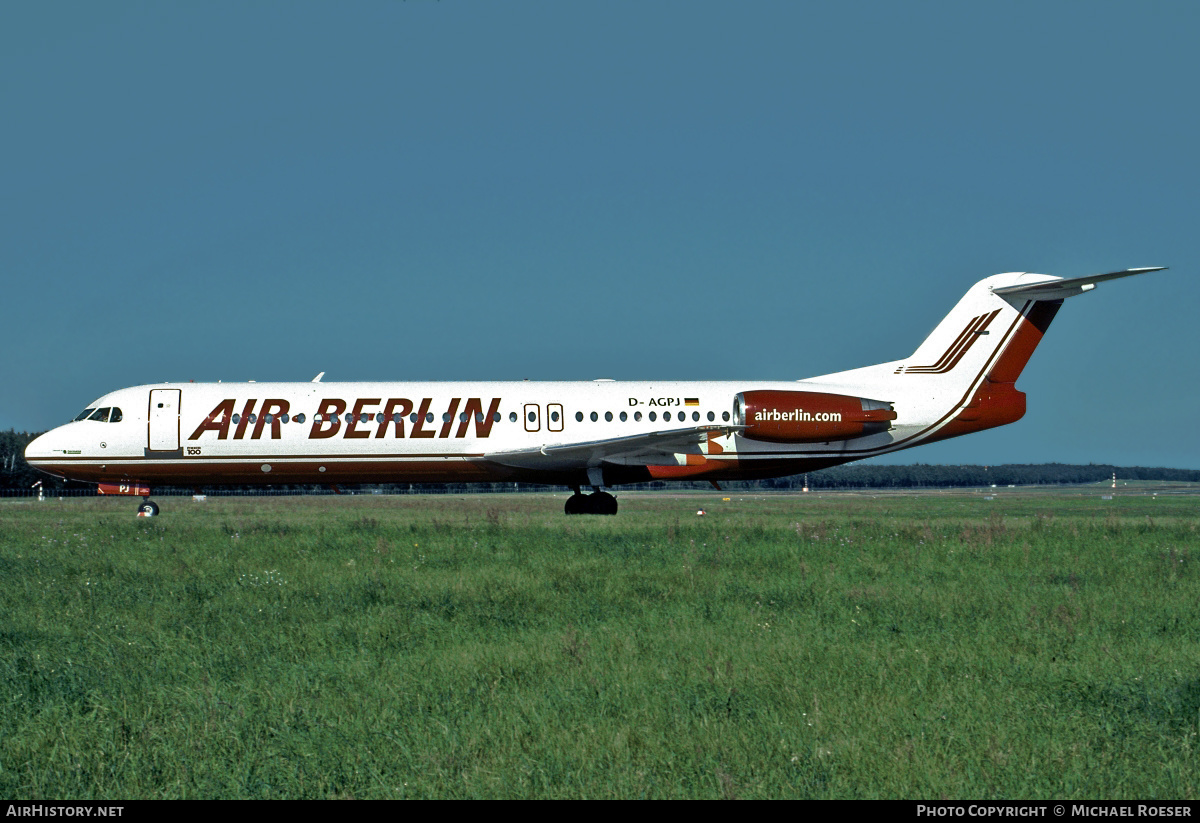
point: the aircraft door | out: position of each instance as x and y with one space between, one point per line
533 420
162 430
554 417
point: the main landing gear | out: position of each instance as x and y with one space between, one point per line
147 508
597 502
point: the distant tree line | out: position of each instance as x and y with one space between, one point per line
15 474
921 475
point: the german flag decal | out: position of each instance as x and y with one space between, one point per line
691 401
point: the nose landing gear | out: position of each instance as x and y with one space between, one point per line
147 508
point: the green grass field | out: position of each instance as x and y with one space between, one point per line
1038 645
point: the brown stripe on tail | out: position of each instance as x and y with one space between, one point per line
997 401
957 349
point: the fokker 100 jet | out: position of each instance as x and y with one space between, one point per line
595 434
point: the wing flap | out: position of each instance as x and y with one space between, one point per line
648 447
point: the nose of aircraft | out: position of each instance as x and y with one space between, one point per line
40 448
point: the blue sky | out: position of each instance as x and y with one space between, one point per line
638 190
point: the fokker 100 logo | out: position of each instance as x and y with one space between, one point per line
370 417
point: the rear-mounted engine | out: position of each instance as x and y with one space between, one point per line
809 417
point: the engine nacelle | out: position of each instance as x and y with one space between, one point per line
809 417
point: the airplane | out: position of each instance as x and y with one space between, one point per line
600 433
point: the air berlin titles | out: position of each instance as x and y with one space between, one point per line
367 417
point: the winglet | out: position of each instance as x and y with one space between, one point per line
317 379
1059 288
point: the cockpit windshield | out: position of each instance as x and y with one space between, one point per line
108 414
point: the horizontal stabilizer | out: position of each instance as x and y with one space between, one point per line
1059 288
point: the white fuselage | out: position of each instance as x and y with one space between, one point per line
278 433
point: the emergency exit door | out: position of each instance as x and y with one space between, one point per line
533 419
163 420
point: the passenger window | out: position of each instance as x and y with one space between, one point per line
578 417
624 417
711 417
379 418
595 417
666 415
300 418
462 417
349 417
86 413
116 416
283 418
554 416
608 417
512 417
253 418
237 418
653 417
101 415
725 416
637 415
496 417
429 417
412 418
696 417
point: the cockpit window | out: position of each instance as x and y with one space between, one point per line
101 415
83 415
115 417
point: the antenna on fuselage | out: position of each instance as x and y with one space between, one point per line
317 379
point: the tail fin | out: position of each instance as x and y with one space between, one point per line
976 354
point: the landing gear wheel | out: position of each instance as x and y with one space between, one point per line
576 504
602 503
147 508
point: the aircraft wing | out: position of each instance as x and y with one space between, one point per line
652 448
1059 287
